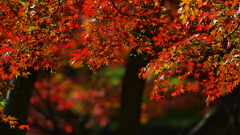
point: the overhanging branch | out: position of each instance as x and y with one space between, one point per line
59 3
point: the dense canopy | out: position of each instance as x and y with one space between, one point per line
200 40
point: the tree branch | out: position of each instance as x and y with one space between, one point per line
59 4
124 13
50 111
217 121
234 30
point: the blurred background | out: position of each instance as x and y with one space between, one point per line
77 101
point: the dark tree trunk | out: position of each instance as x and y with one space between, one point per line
223 119
131 96
18 103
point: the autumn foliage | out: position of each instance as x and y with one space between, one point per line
30 31
201 41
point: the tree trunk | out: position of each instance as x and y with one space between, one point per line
223 119
18 103
131 96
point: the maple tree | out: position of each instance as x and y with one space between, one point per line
29 35
200 41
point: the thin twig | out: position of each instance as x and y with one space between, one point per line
59 4
122 12
234 30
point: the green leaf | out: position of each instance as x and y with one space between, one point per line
3 103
